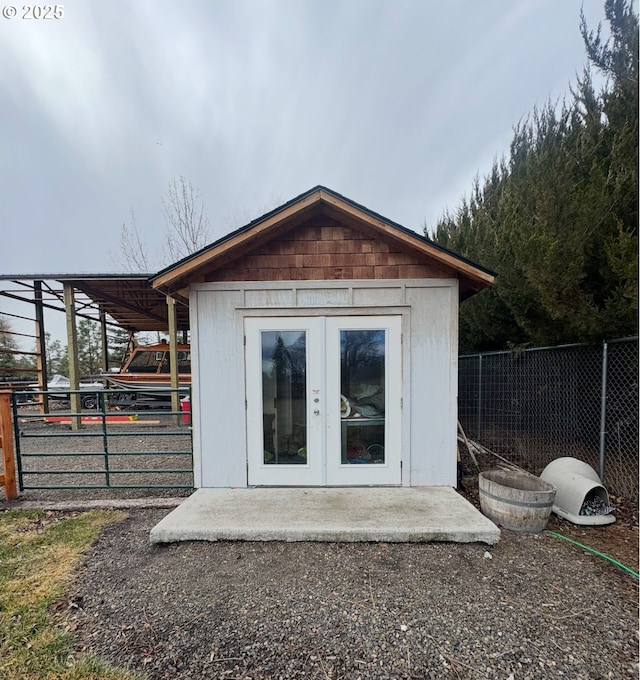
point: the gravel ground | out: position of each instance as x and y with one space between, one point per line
531 607
537 608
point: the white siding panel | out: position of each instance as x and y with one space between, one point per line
269 298
429 367
219 387
318 297
433 396
195 398
378 296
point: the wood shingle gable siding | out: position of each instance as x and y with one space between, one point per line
326 252
320 235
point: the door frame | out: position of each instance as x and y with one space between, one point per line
388 473
259 473
324 424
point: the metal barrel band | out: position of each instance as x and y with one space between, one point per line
523 504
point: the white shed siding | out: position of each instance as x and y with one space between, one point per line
314 297
195 393
433 388
429 309
218 388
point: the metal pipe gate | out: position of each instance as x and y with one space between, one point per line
109 447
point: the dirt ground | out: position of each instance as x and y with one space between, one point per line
530 607
619 540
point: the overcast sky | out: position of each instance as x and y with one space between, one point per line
395 104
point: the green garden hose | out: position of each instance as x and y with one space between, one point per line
596 552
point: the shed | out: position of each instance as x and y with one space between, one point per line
324 344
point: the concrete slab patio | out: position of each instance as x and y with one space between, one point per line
419 514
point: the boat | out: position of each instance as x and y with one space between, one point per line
59 385
146 370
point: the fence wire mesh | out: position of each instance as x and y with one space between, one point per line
536 405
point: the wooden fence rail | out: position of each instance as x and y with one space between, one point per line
8 476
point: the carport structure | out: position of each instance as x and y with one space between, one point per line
126 301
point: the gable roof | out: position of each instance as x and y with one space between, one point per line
175 279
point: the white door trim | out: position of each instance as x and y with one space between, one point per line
323 465
260 473
389 472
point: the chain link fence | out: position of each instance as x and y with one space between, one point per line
535 405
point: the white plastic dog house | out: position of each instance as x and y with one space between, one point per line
324 342
576 482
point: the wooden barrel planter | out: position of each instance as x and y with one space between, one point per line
516 500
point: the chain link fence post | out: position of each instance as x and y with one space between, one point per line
535 405
479 418
603 410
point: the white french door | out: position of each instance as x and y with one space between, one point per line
323 400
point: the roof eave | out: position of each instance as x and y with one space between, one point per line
179 275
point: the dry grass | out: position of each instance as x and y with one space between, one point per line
39 554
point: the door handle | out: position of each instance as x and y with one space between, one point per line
316 412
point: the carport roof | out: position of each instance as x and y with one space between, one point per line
129 299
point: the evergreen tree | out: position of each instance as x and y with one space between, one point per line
89 348
558 219
118 341
8 347
57 357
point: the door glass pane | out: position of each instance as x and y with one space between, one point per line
284 397
362 396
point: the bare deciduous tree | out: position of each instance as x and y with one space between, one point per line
187 230
133 256
244 215
186 217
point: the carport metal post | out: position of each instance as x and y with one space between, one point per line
103 338
72 344
41 346
173 358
